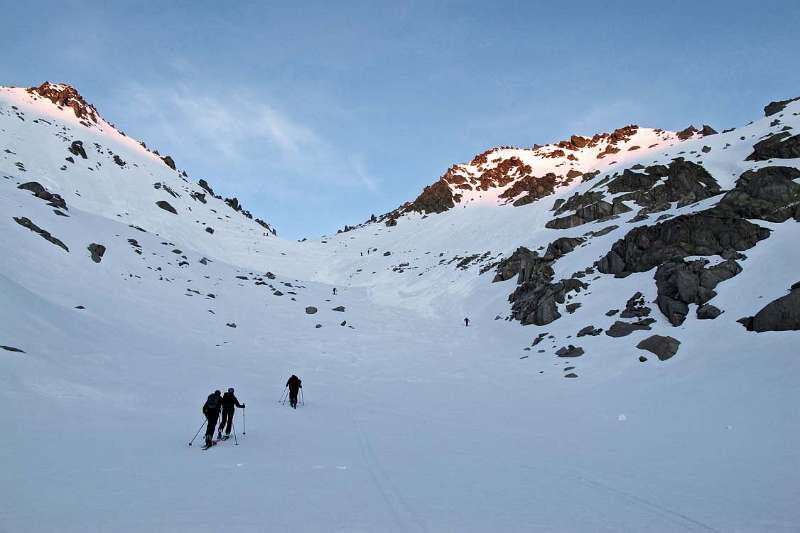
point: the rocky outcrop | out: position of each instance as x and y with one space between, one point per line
598 211
26 223
169 161
532 187
623 329
534 301
562 246
782 314
635 308
436 198
522 259
782 145
65 96
680 283
570 351
683 182
38 190
703 234
163 204
769 193
708 312
97 251
76 148
773 108
662 346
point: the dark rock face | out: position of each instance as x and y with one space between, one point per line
686 133
118 160
11 349
517 262
310 310
768 194
623 329
773 108
26 223
782 145
534 301
708 312
684 183
210 230
339 309
206 187
589 330
562 246
97 251
76 148
680 283
702 233
38 190
571 375
663 347
708 130
166 206
169 161
570 351
782 314
66 96
635 308
435 198
597 211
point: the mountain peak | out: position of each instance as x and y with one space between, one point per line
65 95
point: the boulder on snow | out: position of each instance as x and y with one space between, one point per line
782 145
680 283
635 308
310 310
76 148
11 349
623 329
97 251
570 351
773 108
708 312
662 346
782 314
590 330
163 204
26 223
38 190
339 308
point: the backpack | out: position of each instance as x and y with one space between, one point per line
212 403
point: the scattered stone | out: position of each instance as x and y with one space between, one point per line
118 160
163 204
310 310
11 349
343 323
642 359
708 312
635 308
38 190
662 346
79 307
570 351
76 148
623 329
210 230
231 324
612 312
26 223
571 375
571 308
339 308
386 254
590 330
318 326
97 251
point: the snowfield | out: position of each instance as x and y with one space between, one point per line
411 421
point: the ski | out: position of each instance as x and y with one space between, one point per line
213 443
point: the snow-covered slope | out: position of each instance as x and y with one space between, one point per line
411 421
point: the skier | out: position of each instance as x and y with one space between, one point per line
295 384
466 322
229 405
211 410
334 291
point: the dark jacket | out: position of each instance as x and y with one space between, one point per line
213 404
229 401
294 383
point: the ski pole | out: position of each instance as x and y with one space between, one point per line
302 397
282 395
244 422
198 432
235 440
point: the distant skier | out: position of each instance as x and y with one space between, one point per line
211 410
229 405
334 291
466 322
294 384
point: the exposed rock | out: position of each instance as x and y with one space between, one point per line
210 230
76 148
38 190
231 324
768 193
663 347
391 222
642 359
623 329
590 330
11 349
686 133
169 161
517 262
703 233
782 145
612 312
562 246
310 310
386 254
26 222
206 187
707 130
597 211
782 314
708 312
635 308
680 283
163 204
570 351
571 375
65 96
534 301
435 198
773 108
97 251
571 308
339 308
118 160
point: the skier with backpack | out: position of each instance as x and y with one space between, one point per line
211 411
229 405
295 384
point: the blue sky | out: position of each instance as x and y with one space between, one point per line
316 114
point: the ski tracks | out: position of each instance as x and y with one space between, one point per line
405 517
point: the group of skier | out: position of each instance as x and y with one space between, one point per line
226 405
